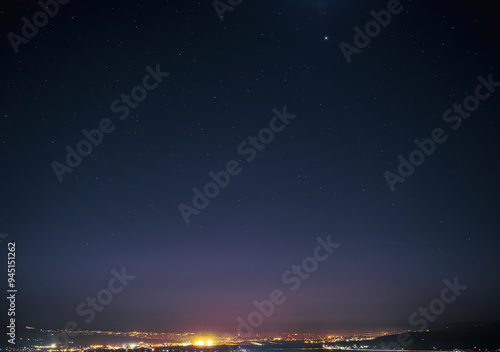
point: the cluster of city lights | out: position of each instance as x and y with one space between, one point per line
203 343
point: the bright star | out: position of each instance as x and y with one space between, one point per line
325 37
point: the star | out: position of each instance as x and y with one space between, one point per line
325 37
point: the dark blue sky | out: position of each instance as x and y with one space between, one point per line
322 175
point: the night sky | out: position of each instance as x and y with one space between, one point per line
214 83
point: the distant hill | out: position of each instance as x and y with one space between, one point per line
458 336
